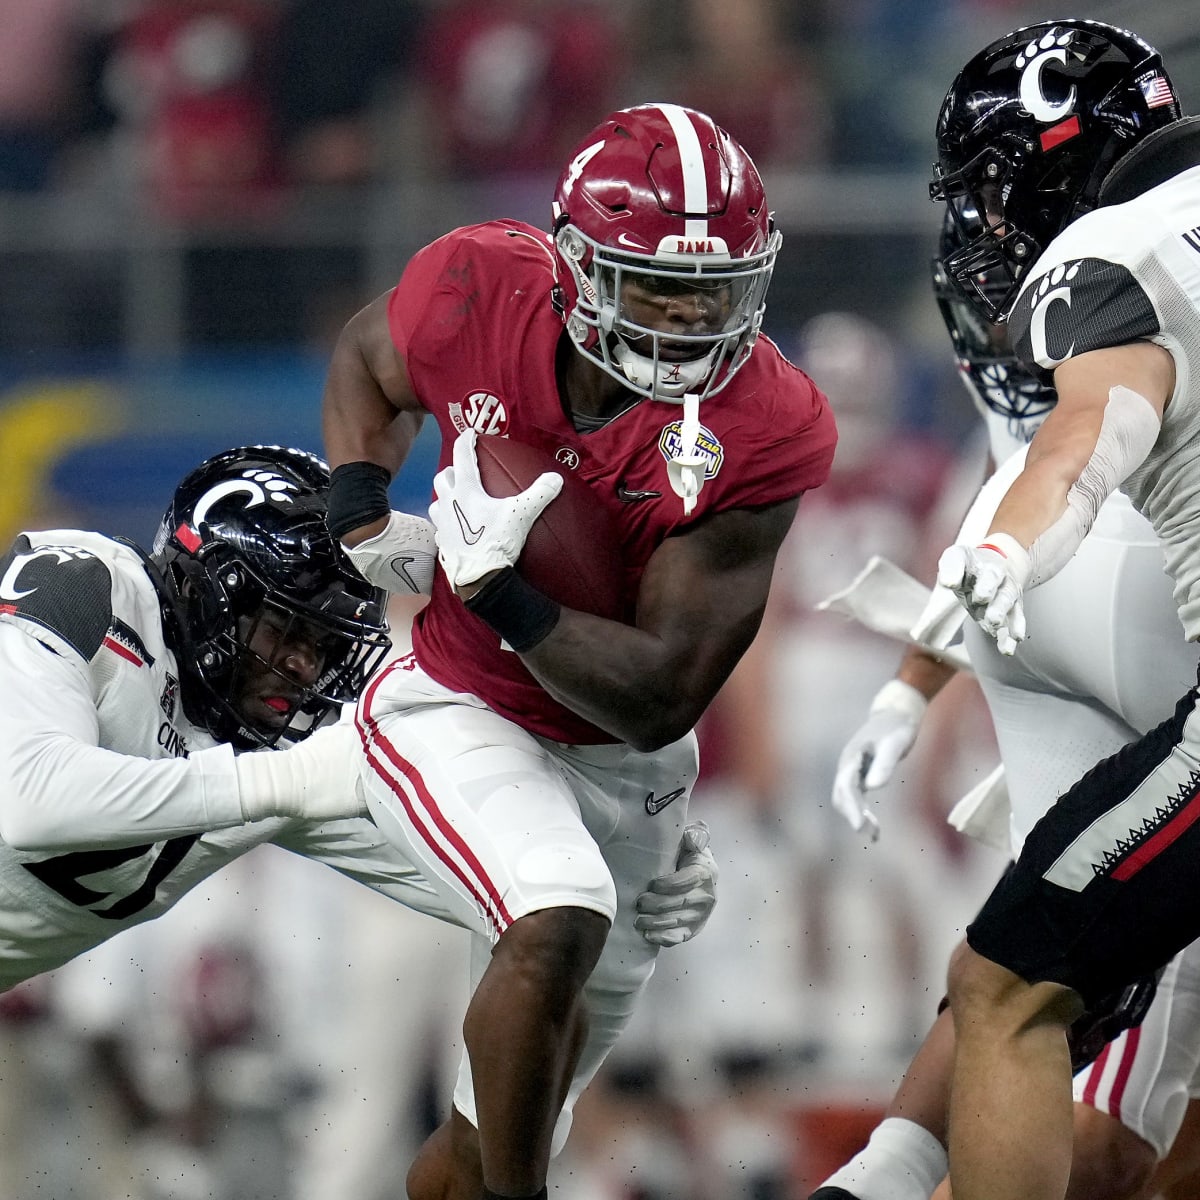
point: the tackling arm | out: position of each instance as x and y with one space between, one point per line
62 790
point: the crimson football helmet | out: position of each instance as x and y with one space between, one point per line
245 541
1026 135
660 198
993 374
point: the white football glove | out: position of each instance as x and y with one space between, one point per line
317 779
676 906
400 558
476 532
989 581
869 758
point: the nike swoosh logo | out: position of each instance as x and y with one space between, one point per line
655 804
470 534
632 496
626 240
400 564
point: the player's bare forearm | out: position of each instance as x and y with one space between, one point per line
699 607
925 671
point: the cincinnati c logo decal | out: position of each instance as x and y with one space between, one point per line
257 485
1031 62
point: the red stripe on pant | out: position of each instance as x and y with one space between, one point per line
1127 1045
1152 847
381 755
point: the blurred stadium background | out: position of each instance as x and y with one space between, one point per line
194 195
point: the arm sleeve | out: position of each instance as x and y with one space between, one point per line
355 848
60 789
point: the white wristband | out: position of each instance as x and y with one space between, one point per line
1008 547
400 558
317 778
898 696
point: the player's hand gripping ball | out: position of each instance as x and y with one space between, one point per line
570 548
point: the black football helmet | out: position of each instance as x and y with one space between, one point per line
244 540
994 376
1026 135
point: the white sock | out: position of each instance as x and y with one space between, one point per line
902 1161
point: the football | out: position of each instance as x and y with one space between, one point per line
572 552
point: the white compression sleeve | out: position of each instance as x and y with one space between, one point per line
400 558
1127 434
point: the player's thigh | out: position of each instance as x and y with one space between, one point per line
1093 902
634 805
480 806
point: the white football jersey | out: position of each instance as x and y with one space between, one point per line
113 822
1123 273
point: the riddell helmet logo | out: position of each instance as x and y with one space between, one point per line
1031 62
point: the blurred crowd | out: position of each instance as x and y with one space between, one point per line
285 1035
290 145
214 105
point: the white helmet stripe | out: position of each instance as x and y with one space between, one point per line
691 159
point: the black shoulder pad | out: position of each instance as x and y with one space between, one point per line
62 588
1087 304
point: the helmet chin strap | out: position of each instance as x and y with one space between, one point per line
685 471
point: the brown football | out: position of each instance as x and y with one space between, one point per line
572 552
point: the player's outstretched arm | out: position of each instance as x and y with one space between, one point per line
64 791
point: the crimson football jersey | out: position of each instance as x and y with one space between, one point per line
474 319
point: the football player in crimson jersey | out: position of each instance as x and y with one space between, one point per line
534 759
136 687
1067 139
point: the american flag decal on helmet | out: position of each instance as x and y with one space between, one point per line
1157 91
